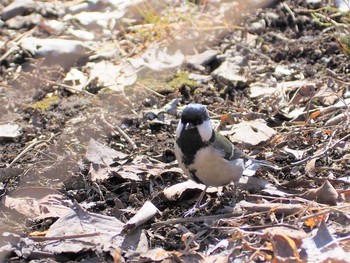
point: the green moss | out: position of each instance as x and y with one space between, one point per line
344 42
45 103
182 80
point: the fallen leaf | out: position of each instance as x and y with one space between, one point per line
76 79
321 247
9 173
37 202
250 132
230 71
175 191
298 154
100 154
314 221
284 249
146 212
296 234
80 231
199 61
286 209
325 194
64 52
158 59
259 89
10 130
310 167
156 255
115 77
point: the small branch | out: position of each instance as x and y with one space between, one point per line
16 42
70 88
328 147
121 132
151 90
41 239
277 208
193 219
304 218
27 149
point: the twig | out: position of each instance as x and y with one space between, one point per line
41 239
8 52
304 218
291 14
193 219
121 132
151 90
16 43
328 147
27 150
65 86
335 241
277 208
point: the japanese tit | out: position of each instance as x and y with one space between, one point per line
205 155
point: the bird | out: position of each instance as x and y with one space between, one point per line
205 155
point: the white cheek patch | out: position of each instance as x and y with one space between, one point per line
205 130
179 129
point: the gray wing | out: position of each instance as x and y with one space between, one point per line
229 150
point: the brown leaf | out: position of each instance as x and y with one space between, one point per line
250 132
310 167
325 194
8 173
37 202
81 230
100 154
296 234
284 249
315 220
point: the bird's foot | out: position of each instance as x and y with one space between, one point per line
195 209
233 202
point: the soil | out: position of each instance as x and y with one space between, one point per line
290 36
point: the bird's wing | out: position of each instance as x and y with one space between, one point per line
230 151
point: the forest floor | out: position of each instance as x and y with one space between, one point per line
90 97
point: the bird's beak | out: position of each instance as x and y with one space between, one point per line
188 126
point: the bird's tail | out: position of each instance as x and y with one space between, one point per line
263 163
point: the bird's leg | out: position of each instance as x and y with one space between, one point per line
198 205
234 194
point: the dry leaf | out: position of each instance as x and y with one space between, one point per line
325 194
310 167
158 59
175 191
250 132
286 209
37 202
322 248
100 154
284 249
81 230
146 212
10 130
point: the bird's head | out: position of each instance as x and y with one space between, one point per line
195 116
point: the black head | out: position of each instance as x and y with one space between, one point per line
194 114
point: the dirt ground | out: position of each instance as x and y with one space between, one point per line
286 42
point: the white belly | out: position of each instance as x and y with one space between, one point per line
214 170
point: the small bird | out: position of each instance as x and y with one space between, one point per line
205 155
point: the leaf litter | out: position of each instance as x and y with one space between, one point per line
100 190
